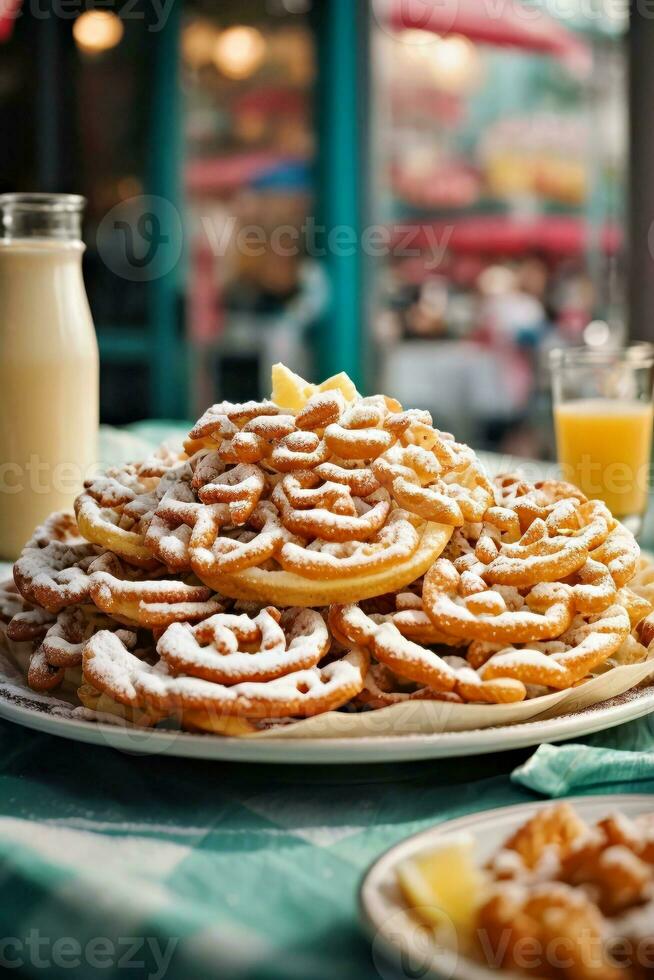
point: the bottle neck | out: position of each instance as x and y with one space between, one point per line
46 217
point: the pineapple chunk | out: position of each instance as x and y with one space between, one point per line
443 884
289 390
340 382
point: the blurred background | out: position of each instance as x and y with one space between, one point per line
428 194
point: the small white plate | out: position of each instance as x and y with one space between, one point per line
48 714
401 946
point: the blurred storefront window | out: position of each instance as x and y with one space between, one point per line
430 195
499 135
248 76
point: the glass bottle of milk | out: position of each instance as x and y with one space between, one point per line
48 363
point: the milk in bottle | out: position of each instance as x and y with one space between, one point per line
48 363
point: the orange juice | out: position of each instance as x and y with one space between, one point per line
604 448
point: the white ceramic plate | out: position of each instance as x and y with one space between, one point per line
401 946
47 714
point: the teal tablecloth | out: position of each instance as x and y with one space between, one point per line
120 866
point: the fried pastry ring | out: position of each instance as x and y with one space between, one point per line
56 575
561 663
29 626
410 660
222 421
110 667
371 578
530 501
537 557
155 603
59 526
231 649
383 688
12 603
315 509
240 487
63 643
422 485
620 553
120 530
358 435
464 605
413 622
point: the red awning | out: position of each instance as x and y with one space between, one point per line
9 10
553 235
492 22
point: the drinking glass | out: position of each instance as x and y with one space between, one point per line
603 418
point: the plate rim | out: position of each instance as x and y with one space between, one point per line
335 751
460 967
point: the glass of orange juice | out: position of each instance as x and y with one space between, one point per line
603 417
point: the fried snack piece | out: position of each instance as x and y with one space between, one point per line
56 575
231 649
63 643
462 604
539 929
281 506
312 508
164 458
23 622
223 421
106 708
620 553
11 601
417 663
383 688
642 582
169 532
638 608
408 614
396 556
613 863
442 483
554 828
59 526
396 542
116 510
550 550
559 664
110 667
569 900
559 550
530 501
155 603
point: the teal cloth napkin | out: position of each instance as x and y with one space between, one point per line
620 760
